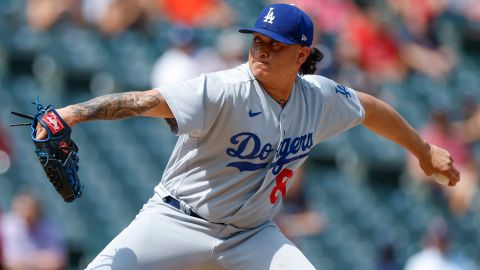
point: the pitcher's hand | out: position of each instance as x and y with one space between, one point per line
65 113
439 160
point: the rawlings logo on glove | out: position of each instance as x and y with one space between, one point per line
53 122
57 153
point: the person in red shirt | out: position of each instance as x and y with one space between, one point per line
367 42
420 45
4 141
198 13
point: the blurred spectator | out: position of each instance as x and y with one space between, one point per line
471 11
5 144
331 18
42 15
112 17
198 13
31 240
366 53
295 219
419 44
366 42
456 138
229 52
386 257
5 150
185 59
330 21
471 125
466 17
232 48
178 62
436 253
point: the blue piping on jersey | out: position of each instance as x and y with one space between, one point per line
277 166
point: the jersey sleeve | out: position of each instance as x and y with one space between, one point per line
339 109
195 103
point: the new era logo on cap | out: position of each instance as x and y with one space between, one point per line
285 23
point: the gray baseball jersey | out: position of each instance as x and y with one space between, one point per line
234 160
238 148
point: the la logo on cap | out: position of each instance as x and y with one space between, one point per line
270 16
284 23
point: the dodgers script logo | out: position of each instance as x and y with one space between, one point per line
248 147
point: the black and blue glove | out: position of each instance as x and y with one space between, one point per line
57 153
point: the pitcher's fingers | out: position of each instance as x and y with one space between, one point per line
454 177
456 172
41 132
428 171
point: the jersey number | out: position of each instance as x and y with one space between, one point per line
281 180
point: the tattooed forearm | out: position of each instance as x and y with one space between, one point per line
115 106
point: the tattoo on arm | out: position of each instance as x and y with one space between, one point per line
115 106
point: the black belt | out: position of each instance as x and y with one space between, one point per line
176 203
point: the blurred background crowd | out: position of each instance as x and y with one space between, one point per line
360 202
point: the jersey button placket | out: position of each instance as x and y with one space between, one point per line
281 127
273 196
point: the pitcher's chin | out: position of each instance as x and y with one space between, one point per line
260 70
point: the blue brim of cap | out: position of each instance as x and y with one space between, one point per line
268 33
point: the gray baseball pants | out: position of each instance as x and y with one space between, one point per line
163 237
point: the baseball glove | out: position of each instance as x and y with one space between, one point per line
57 153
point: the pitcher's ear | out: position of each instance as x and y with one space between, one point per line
303 54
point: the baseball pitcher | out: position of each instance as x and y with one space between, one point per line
242 135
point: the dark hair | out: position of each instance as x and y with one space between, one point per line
310 65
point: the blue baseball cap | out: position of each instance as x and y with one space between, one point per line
285 23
